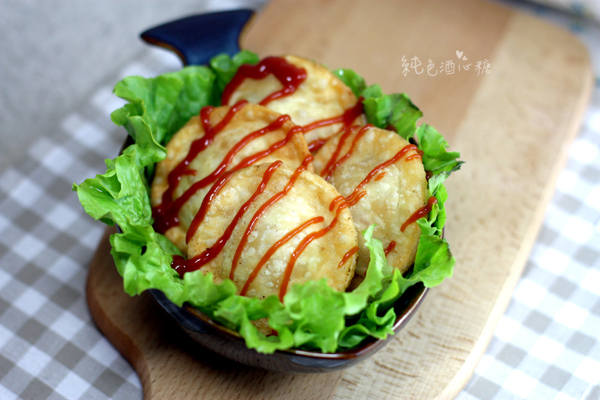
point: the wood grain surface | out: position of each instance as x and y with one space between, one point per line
170 364
512 126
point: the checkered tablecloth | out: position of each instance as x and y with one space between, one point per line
546 346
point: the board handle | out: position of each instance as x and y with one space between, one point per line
198 38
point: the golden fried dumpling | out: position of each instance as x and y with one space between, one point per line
319 97
269 226
216 141
383 179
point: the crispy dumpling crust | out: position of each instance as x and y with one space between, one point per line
308 199
392 196
248 119
321 96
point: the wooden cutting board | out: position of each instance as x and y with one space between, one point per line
513 127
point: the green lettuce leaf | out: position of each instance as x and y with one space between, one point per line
394 110
225 67
313 315
164 103
436 158
354 81
151 101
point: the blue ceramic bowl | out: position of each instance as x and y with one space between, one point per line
196 40
230 344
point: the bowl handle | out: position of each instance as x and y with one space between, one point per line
198 38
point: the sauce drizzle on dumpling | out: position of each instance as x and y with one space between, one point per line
183 266
287 74
269 253
347 119
348 255
290 77
263 208
420 213
375 173
166 214
390 247
180 264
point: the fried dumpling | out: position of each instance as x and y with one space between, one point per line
269 226
383 180
218 140
319 96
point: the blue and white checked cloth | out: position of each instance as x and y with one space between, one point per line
546 346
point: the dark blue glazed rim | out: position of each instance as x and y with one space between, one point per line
199 38
228 343
196 40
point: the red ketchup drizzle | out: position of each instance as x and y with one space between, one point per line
275 146
347 118
381 175
335 202
290 77
287 74
347 256
390 247
350 202
344 202
261 211
302 245
353 200
175 206
244 163
274 248
206 202
165 214
354 196
183 266
333 162
417 156
316 144
420 213
209 254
